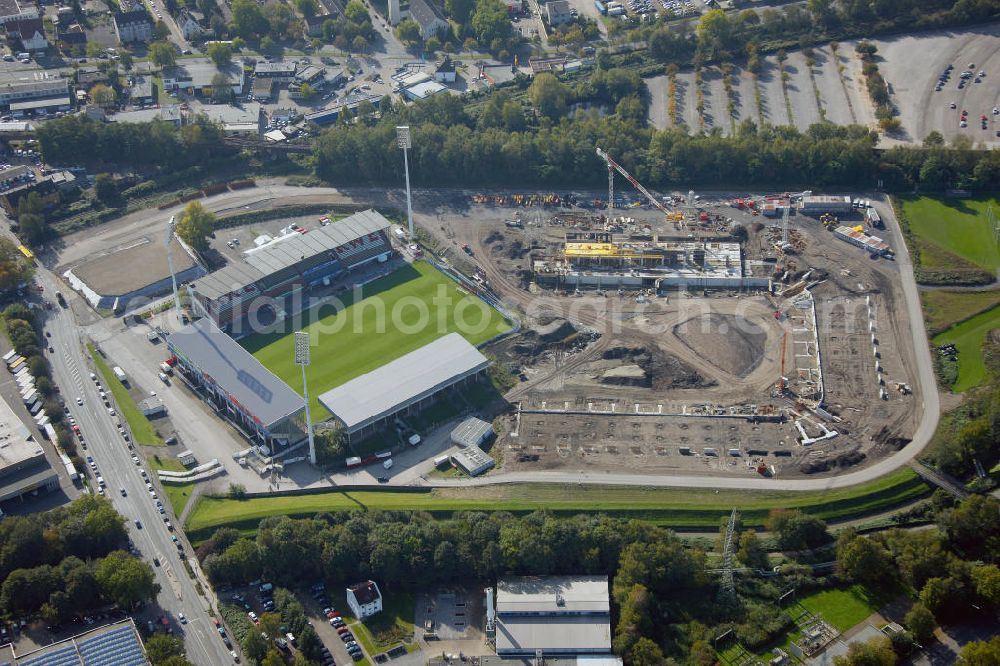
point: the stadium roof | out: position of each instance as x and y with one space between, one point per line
236 371
261 262
553 594
117 644
288 251
403 382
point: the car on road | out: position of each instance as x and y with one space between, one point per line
138 525
123 492
180 616
253 617
79 401
111 411
156 561
236 657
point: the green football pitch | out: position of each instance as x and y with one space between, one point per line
394 315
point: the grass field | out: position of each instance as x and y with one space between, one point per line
683 508
943 309
968 337
398 314
177 494
142 429
841 608
952 226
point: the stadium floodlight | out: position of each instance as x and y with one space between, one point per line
405 141
302 360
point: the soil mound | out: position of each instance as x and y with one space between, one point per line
649 368
728 342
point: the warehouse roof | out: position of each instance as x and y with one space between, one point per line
559 634
405 381
236 371
471 432
553 594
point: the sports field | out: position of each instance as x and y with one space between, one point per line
688 508
944 227
394 315
969 337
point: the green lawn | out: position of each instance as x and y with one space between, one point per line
142 430
389 628
696 509
946 308
177 494
968 337
841 608
953 226
398 314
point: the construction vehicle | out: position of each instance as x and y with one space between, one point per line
614 166
829 221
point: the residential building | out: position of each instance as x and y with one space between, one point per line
30 32
188 24
445 71
558 12
72 37
428 17
262 89
364 599
14 10
133 26
44 187
310 74
88 78
142 93
552 615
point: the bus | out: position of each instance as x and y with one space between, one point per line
28 254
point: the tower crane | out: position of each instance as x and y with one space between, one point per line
614 166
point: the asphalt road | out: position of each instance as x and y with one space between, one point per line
71 369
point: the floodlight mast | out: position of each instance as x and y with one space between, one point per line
302 360
405 141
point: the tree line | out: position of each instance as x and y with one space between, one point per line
63 563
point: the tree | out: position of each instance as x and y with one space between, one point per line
796 530
248 19
105 189
307 92
309 644
874 652
973 527
751 552
920 622
548 95
986 578
981 653
307 8
221 54
103 96
460 10
270 625
160 30
222 90
408 32
195 225
162 54
491 23
865 561
14 268
254 647
646 653
432 45
161 647
273 658
125 579
934 139
237 491
331 445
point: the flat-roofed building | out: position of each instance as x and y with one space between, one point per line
553 615
368 403
24 468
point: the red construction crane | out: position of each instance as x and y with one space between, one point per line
614 166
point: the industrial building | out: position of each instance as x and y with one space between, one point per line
551 616
472 432
473 460
408 384
824 203
194 77
24 468
237 386
603 260
350 102
855 236
115 644
281 267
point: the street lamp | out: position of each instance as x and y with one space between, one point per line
404 141
302 360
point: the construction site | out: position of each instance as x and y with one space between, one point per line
697 332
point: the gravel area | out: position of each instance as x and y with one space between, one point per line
688 100
657 86
716 112
746 100
801 95
835 99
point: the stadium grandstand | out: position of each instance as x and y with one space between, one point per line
271 275
115 644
